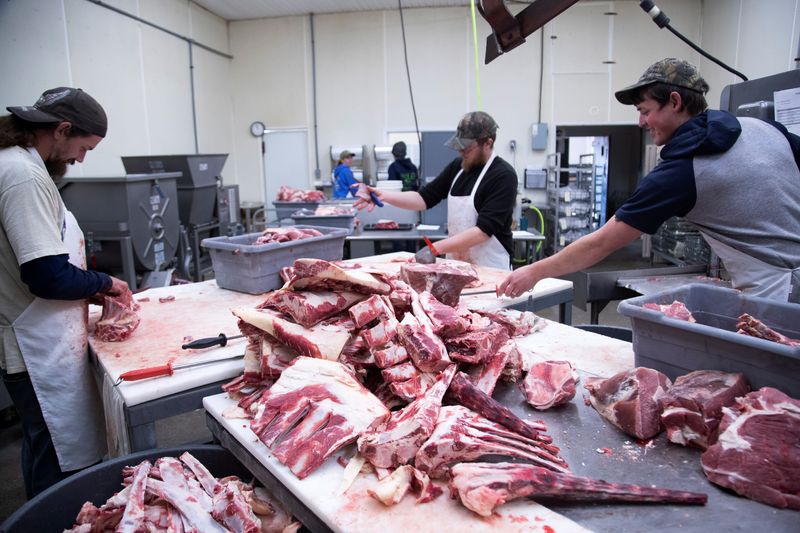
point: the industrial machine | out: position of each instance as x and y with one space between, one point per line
198 192
130 223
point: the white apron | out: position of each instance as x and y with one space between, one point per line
52 336
756 277
462 215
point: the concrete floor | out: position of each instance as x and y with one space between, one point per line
191 427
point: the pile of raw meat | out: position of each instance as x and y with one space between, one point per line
399 365
285 234
118 320
289 194
182 495
386 223
751 440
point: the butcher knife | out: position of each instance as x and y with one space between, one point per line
208 342
165 370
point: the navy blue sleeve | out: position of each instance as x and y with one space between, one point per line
437 190
668 191
53 277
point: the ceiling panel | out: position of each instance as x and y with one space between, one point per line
254 9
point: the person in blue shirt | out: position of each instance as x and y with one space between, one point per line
343 179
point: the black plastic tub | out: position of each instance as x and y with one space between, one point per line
56 508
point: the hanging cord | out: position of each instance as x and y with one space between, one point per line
662 21
408 72
477 59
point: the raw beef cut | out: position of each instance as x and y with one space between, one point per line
321 275
289 233
483 486
401 372
389 355
462 391
674 310
321 341
315 408
425 349
517 323
370 309
310 308
391 489
748 325
462 435
386 224
396 441
757 454
476 346
290 194
443 281
693 405
118 320
445 320
630 400
549 383
485 376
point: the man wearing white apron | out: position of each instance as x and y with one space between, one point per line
736 179
44 285
481 191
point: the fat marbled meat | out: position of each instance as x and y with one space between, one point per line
748 325
692 408
676 310
443 281
630 400
310 308
757 453
315 408
118 320
549 383
483 486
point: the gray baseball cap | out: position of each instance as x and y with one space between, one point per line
473 126
66 104
670 70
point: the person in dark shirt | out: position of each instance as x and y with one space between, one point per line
708 166
402 169
481 191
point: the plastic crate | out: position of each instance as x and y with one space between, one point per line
240 265
347 222
676 347
56 508
287 209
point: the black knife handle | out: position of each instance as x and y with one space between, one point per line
208 342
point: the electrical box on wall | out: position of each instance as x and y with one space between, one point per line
535 178
539 136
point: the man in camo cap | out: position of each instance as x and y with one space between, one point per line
481 191
714 168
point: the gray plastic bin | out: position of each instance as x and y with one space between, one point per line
676 347
287 209
347 222
241 266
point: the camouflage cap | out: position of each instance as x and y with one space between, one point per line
66 104
475 125
670 70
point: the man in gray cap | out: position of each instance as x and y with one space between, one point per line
45 284
736 179
481 190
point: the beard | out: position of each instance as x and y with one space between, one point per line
478 161
56 168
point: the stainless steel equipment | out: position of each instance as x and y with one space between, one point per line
197 198
129 222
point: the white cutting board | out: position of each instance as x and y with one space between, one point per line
198 310
356 511
596 354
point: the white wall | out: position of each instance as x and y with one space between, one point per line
141 75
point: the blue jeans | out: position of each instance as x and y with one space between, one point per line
40 467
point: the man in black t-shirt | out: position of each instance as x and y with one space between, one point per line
481 191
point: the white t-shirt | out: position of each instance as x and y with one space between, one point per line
31 226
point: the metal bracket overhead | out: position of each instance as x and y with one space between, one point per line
509 31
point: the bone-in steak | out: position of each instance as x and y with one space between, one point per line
549 383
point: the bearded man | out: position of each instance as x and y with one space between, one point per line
481 192
44 286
